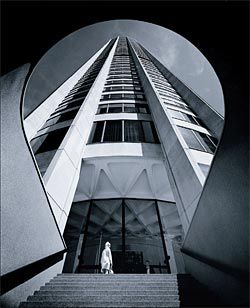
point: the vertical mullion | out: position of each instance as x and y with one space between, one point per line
142 129
123 131
123 234
103 130
162 237
85 234
209 137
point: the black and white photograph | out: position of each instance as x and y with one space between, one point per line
124 154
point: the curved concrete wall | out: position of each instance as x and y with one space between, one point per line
217 244
29 233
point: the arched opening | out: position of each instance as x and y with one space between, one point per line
122 110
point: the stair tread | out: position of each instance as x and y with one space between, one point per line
96 274
100 303
96 297
140 288
89 292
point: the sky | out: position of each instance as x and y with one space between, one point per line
179 56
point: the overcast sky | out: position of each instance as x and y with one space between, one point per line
181 57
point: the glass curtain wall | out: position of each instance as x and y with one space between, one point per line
133 228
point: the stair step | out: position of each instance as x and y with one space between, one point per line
107 297
122 275
111 283
106 304
116 277
102 292
79 289
107 288
113 280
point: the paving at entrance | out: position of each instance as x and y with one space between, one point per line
122 290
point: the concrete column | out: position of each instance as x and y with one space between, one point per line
184 173
62 175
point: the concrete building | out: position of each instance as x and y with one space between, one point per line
123 150
125 136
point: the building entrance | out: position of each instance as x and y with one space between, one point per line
134 229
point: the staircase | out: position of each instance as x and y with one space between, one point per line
96 290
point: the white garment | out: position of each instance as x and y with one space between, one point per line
106 259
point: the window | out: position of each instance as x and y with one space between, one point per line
48 142
190 139
127 77
123 130
61 118
176 104
130 108
102 109
115 108
133 131
172 96
197 140
129 96
122 88
207 142
109 82
113 131
166 88
149 132
122 96
141 108
123 107
72 105
182 116
96 133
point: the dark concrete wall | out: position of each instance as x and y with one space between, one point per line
217 244
29 232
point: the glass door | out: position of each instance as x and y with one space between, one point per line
104 224
143 241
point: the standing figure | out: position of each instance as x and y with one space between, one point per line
106 259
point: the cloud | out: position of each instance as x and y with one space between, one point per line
171 54
199 69
197 63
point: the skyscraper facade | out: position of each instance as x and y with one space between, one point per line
124 148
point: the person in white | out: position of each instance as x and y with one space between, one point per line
106 259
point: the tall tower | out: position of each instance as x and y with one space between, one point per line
124 148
